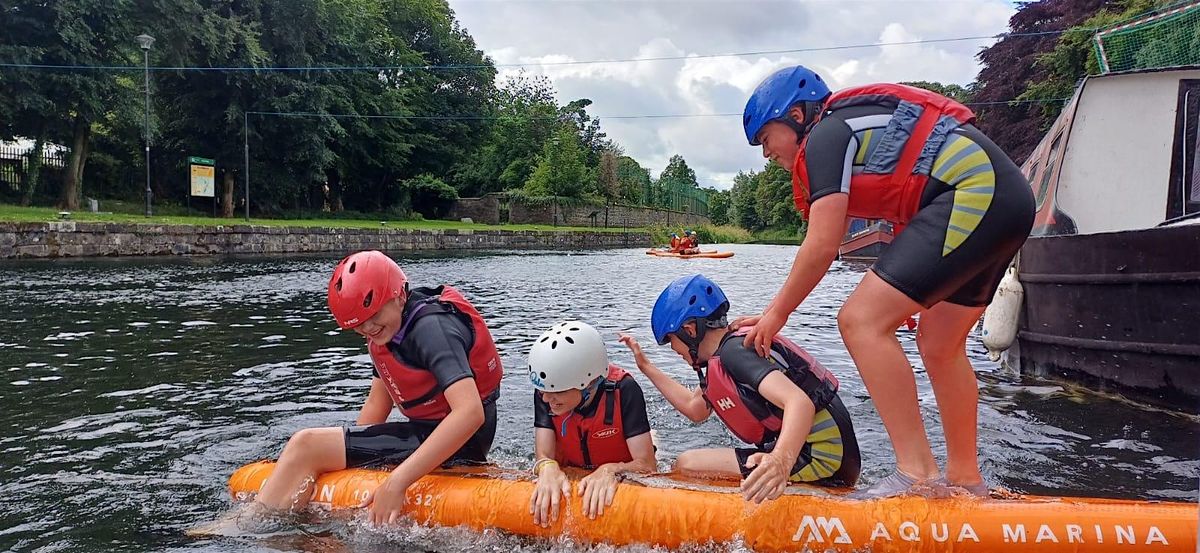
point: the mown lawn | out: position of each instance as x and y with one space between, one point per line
17 214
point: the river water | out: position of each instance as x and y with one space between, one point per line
132 388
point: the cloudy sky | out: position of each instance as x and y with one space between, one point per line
540 32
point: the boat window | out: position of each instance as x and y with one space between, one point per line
1032 175
1194 175
1048 171
1183 197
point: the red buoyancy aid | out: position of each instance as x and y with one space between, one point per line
744 410
920 125
596 440
414 389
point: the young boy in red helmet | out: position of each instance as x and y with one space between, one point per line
434 359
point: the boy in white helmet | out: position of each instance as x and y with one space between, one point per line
588 413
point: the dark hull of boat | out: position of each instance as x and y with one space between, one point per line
1119 311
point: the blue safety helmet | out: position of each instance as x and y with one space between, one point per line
778 93
685 299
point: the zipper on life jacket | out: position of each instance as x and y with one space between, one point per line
583 446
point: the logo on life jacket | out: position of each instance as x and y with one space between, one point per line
604 433
725 404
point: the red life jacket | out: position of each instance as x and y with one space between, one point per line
414 389
596 440
744 410
915 134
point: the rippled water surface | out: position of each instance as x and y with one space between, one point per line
132 388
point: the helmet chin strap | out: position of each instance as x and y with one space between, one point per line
693 342
812 113
587 392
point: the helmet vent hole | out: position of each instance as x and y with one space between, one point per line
802 83
817 77
353 266
708 290
692 300
338 285
574 329
367 300
544 338
569 340
543 375
554 344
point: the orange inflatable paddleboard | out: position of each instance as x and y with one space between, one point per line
702 255
811 520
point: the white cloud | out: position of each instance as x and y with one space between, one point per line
543 31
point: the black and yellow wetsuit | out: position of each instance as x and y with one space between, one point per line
975 212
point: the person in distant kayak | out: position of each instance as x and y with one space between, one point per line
588 413
690 244
961 210
785 405
676 243
434 360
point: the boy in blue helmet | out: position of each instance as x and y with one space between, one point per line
785 405
961 209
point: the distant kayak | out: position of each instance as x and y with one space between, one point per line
710 254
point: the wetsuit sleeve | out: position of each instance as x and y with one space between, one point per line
541 412
439 343
634 420
744 365
829 155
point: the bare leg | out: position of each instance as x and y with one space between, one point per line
868 322
709 462
309 453
941 338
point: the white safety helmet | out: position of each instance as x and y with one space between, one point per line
569 356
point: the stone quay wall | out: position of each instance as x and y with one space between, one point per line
79 239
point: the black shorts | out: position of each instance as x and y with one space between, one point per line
830 455
390 443
976 212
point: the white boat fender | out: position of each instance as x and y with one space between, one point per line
1000 318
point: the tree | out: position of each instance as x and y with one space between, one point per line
560 169
1009 68
607 182
719 206
634 181
674 181
67 103
1073 56
773 198
593 140
428 195
955 92
743 201
526 116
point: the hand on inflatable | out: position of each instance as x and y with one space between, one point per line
385 505
765 329
767 479
552 486
744 321
597 490
630 342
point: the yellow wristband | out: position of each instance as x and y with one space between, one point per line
538 466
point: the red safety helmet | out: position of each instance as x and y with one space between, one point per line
362 283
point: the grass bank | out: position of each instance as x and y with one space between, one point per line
709 234
120 214
782 237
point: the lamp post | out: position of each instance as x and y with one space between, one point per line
145 41
553 183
